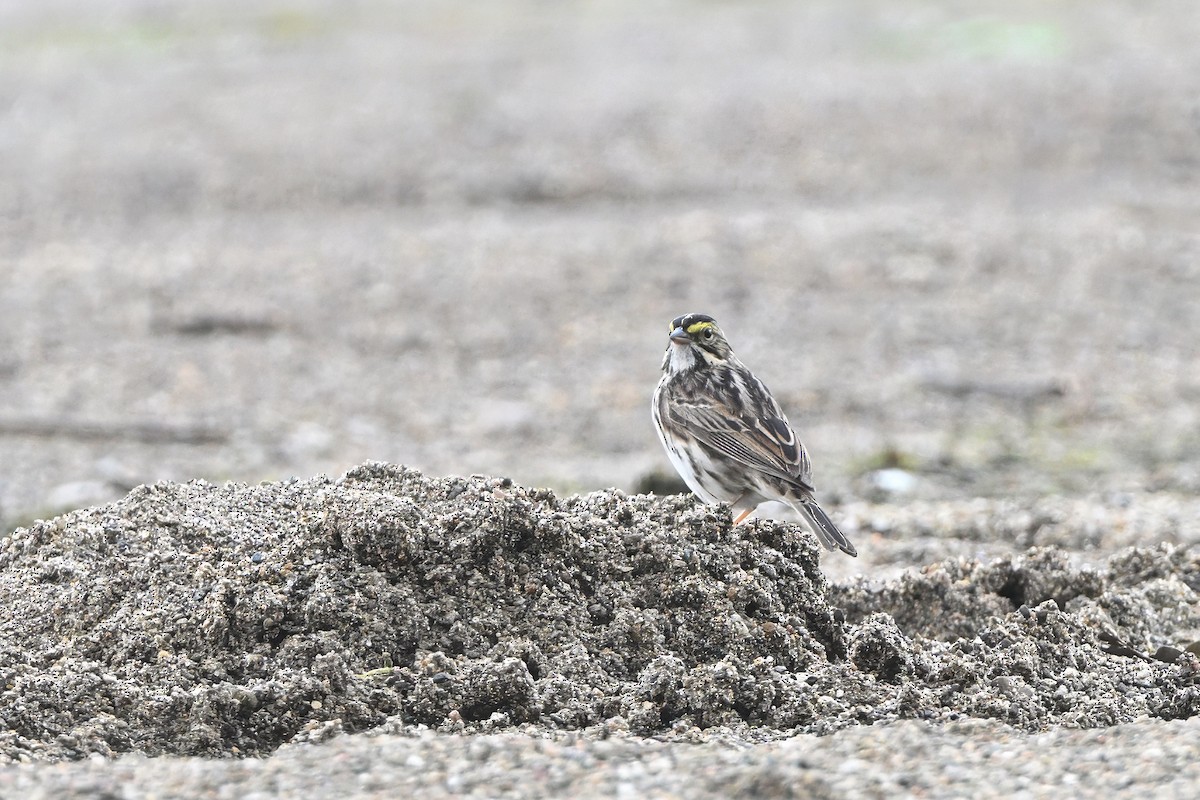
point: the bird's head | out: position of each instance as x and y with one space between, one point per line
696 341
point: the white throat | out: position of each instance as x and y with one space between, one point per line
679 358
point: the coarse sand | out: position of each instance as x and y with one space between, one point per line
399 620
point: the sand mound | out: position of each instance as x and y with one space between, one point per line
217 620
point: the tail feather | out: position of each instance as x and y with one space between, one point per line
823 527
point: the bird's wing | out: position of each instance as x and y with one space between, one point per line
755 433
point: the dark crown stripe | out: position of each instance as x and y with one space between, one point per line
687 320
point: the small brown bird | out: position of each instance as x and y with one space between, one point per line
725 434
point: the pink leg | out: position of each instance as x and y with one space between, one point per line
738 520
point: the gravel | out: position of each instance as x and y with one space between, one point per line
980 758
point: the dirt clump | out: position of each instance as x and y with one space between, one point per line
195 619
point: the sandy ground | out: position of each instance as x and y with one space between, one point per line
253 241
387 632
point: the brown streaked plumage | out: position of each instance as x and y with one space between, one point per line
725 434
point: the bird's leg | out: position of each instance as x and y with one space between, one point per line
742 516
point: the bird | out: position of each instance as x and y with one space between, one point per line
727 436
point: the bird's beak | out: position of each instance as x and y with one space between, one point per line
679 336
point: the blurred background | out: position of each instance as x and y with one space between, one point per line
245 241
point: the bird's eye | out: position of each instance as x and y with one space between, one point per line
708 334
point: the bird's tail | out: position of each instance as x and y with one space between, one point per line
823 526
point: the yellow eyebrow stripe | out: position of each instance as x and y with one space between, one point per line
696 327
